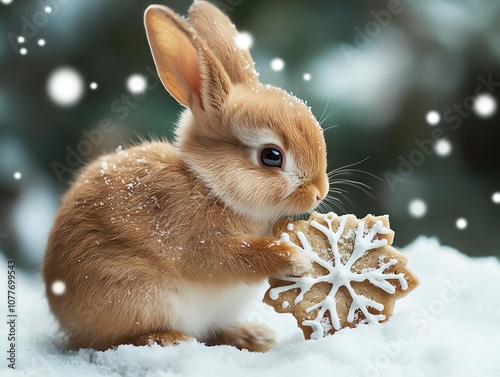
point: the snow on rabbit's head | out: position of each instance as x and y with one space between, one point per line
258 148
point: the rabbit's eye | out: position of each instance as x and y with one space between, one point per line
271 157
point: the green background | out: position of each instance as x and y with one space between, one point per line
376 89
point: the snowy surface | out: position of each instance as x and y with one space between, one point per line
449 326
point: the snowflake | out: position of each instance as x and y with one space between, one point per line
340 274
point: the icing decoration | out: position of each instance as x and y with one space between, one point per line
341 274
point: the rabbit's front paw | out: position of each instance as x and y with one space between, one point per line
298 262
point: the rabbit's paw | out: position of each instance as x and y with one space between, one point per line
254 337
298 262
162 338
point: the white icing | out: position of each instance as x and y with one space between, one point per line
340 274
285 304
290 227
284 237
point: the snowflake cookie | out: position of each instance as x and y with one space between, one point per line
356 277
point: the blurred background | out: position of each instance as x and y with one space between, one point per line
407 92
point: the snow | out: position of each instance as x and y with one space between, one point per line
485 105
461 223
433 118
65 86
277 64
447 326
496 197
443 147
417 208
244 40
137 84
58 287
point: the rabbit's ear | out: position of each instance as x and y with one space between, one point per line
189 70
220 35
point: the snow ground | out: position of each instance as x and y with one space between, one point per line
448 326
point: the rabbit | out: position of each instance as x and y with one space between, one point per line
166 242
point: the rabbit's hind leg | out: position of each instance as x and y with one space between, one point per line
163 338
253 337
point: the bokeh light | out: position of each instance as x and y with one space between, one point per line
244 40
58 287
137 84
65 86
443 147
496 197
277 64
461 223
433 118
417 208
485 105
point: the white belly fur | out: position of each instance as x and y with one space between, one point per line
198 310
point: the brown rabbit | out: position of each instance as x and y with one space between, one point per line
166 242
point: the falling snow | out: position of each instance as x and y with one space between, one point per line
137 84
443 147
244 40
433 118
496 197
65 86
485 105
58 287
461 223
277 64
417 208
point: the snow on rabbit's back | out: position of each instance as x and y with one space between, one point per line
161 242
